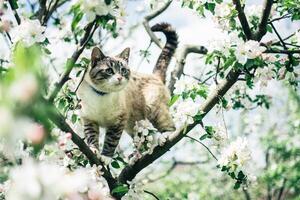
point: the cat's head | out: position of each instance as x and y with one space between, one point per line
109 74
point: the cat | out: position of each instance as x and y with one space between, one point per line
114 97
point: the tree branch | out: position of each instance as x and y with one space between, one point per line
262 27
89 31
149 17
290 56
14 9
180 62
243 19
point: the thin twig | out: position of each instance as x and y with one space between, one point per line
290 56
14 8
149 17
146 191
213 155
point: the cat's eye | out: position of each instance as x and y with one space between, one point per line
109 71
124 71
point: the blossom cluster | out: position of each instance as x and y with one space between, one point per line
186 106
242 50
29 32
99 8
183 111
49 181
146 137
236 155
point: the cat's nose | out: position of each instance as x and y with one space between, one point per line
119 78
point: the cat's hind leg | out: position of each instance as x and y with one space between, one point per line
161 119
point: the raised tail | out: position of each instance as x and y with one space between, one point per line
168 51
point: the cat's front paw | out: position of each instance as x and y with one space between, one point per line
105 159
95 150
164 137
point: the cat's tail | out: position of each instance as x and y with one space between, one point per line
168 51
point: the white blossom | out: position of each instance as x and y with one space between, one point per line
29 32
248 50
223 10
146 137
264 74
185 84
236 155
92 8
183 111
45 181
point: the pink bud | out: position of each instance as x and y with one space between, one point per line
35 134
68 136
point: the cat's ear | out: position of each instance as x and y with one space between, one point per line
125 54
97 55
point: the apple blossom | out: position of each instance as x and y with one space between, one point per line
236 155
183 111
249 50
184 84
93 8
29 32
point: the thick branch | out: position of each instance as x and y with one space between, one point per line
262 27
129 172
149 17
176 73
243 19
89 31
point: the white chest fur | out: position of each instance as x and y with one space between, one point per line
103 109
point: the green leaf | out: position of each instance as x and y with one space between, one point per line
74 118
121 190
241 175
237 185
210 7
173 99
209 130
115 164
203 137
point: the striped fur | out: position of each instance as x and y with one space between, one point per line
168 51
